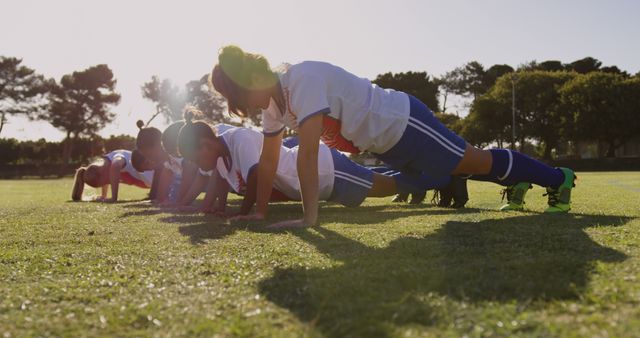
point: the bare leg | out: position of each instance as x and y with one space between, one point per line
474 162
382 186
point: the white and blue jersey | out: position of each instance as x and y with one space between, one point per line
360 116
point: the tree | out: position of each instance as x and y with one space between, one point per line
551 66
605 108
418 84
489 120
493 73
22 91
169 99
539 113
79 105
10 150
584 66
540 108
614 70
468 80
209 102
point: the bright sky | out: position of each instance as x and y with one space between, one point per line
180 40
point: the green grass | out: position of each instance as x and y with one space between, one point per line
69 269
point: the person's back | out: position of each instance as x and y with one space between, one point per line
244 145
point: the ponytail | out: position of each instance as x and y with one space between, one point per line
147 137
78 184
234 75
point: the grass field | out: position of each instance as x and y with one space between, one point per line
383 269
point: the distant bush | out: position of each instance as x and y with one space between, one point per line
42 151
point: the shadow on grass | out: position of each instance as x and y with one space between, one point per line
522 259
200 232
201 227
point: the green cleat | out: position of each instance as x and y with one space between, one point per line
515 196
560 198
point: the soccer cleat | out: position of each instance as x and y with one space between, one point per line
515 196
560 198
418 197
454 195
460 193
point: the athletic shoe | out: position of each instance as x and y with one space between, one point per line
460 193
515 196
455 191
560 198
418 197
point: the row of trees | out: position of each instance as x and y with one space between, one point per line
79 104
555 107
556 103
43 152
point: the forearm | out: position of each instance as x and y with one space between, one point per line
194 190
307 166
190 175
211 196
222 195
154 183
266 176
164 184
114 181
250 197
222 191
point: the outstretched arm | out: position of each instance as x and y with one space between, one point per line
218 189
194 190
114 177
190 175
252 189
309 135
267 167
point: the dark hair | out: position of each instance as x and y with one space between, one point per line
137 160
147 137
233 77
170 137
191 134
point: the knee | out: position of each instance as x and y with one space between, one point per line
475 161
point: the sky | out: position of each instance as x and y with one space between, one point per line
180 40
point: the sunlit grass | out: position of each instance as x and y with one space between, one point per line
383 269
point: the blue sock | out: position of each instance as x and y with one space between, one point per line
511 167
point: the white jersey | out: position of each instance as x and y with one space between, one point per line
358 115
245 146
222 127
146 177
174 164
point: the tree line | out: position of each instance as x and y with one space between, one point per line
43 152
556 104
